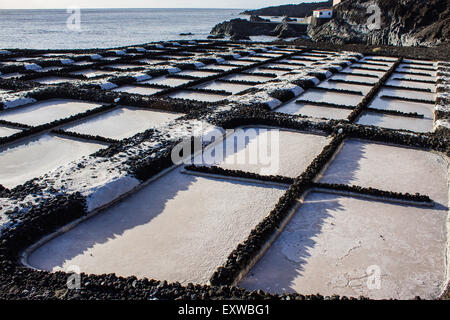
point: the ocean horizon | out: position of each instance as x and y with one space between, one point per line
105 28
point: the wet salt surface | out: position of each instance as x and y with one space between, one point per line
310 110
122 66
33 157
137 90
284 66
380 58
412 76
82 63
412 84
247 77
230 87
403 169
123 122
10 75
293 62
410 94
165 81
404 106
331 241
268 151
221 67
47 111
345 86
396 122
243 63
90 73
178 228
198 96
269 71
413 70
379 74
197 73
54 80
5 131
338 98
351 77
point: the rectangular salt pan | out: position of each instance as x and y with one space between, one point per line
356 78
54 80
197 73
392 168
32 158
47 111
408 94
427 110
165 81
91 73
345 86
174 229
267 151
412 84
146 91
314 111
230 87
198 96
396 122
378 74
5 131
334 243
396 75
247 77
337 98
123 122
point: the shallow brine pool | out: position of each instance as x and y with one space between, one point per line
396 122
334 243
267 151
356 78
33 157
314 111
230 87
247 77
47 111
6 131
146 91
198 96
337 98
123 122
166 81
54 80
178 228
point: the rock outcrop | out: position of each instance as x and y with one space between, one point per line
291 10
239 29
403 23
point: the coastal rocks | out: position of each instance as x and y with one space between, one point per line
403 23
291 10
240 28
255 18
285 30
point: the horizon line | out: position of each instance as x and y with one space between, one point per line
64 8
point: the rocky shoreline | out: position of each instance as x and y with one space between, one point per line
409 23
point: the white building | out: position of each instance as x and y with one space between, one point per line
323 13
335 2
